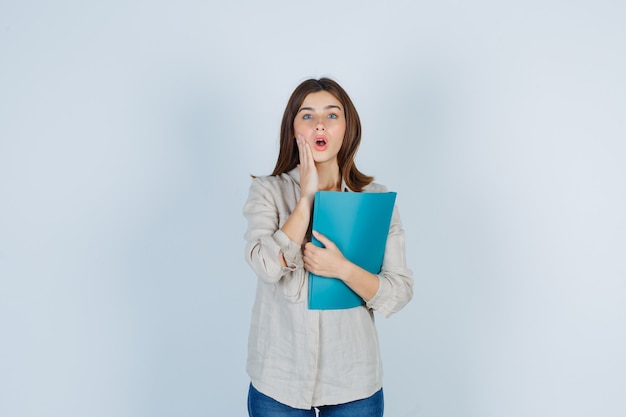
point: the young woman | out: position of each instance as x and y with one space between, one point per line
300 360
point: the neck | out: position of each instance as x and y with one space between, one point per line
329 177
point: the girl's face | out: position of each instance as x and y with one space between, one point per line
322 123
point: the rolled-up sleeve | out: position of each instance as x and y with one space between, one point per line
395 289
265 241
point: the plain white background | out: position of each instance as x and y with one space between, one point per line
128 130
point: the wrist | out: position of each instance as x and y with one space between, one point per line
346 271
305 203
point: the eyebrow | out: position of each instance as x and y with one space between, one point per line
331 106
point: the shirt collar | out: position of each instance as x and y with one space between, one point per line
295 174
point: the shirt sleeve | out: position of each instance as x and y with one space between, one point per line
265 241
396 280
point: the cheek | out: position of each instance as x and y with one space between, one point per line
339 125
300 125
340 131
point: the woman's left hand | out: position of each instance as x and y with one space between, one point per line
327 261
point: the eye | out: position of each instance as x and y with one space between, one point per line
333 116
307 116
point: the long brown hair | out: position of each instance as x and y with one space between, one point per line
288 156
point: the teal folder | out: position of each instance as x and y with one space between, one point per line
358 223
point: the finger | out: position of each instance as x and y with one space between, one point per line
323 239
309 153
307 250
301 148
311 251
304 153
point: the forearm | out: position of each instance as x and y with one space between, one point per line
297 224
362 282
395 278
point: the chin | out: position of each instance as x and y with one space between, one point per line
325 161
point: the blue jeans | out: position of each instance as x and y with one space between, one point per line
260 405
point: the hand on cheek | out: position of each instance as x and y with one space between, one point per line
309 181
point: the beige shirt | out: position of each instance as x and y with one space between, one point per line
301 357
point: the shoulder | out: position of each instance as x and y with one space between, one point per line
275 181
374 187
282 184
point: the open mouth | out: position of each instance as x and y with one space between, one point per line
320 143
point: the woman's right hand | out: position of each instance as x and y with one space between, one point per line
309 181
298 222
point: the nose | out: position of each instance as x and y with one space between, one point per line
320 127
